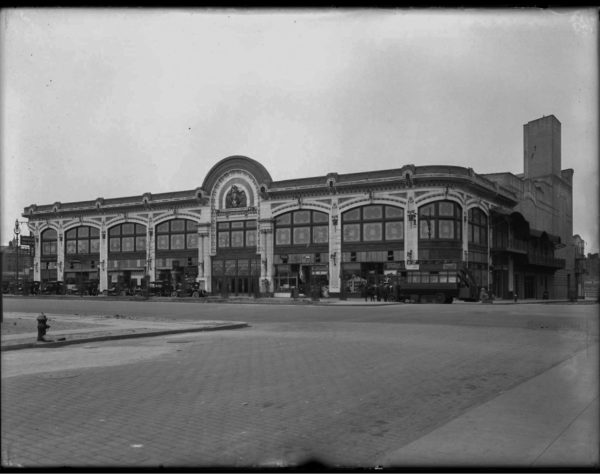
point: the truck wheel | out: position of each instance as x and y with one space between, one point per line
174 293
440 298
195 294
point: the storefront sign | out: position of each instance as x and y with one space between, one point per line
449 266
27 240
412 266
319 270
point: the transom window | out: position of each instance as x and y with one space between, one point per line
236 234
440 220
49 238
302 227
373 223
82 240
128 237
177 234
477 227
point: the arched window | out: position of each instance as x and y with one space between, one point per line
440 220
373 223
49 239
177 234
477 227
303 227
128 237
82 240
236 234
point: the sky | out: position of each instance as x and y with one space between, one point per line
119 102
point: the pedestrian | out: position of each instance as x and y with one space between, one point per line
515 296
371 293
363 291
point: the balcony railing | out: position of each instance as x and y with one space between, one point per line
544 261
511 245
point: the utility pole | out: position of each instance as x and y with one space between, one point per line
17 232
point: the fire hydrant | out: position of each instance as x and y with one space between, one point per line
42 326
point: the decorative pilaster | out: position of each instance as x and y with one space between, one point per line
204 256
150 250
60 255
103 264
335 249
266 255
37 256
465 234
411 224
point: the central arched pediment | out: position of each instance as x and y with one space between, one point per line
235 163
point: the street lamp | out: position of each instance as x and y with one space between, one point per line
17 232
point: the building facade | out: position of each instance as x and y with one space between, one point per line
242 233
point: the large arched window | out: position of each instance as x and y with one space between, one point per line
82 240
49 238
128 237
440 220
373 223
177 234
477 227
302 227
236 234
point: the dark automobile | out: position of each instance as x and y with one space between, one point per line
160 288
190 289
89 288
117 289
53 288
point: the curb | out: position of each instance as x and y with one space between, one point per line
36 345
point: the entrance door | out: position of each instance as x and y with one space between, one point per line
529 287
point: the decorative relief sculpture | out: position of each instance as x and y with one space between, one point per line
235 198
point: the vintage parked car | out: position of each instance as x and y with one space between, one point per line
116 289
53 288
190 289
160 288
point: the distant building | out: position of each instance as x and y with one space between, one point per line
14 264
242 233
591 276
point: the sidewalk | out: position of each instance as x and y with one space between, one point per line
98 329
548 421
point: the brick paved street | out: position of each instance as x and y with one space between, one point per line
345 387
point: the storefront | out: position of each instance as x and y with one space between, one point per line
372 246
301 252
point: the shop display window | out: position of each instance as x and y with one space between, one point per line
372 232
301 235
176 234
320 234
282 237
302 227
49 238
477 227
379 223
81 240
235 234
440 220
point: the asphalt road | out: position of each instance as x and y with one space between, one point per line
341 384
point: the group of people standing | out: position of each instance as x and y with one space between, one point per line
380 292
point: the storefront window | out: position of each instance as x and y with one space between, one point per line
303 227
477 227
49 238
127 237
236 234
177 234
440 220
81 240
388 225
